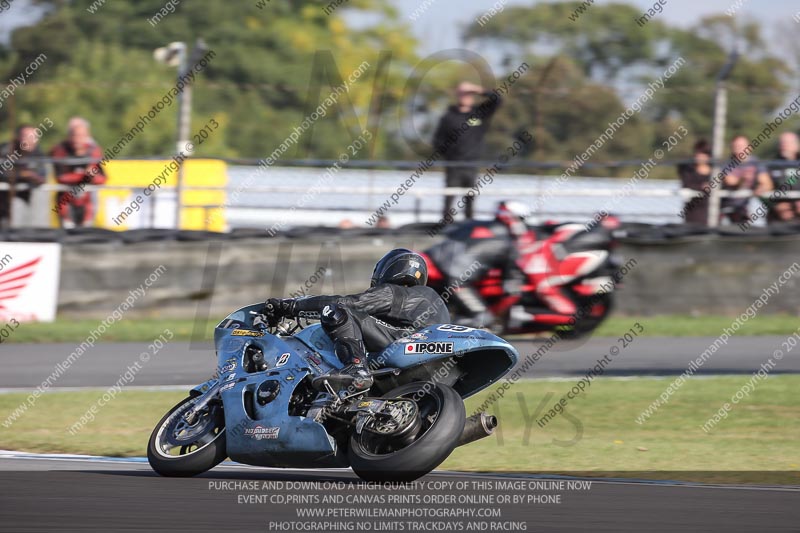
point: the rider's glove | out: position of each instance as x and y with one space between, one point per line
279 308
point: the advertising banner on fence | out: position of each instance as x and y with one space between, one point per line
29 274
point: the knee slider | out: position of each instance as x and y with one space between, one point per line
350 351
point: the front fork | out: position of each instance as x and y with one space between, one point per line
204 394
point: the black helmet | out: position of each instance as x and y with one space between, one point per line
400 267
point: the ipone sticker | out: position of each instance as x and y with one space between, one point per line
429 348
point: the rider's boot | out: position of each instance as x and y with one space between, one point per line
355 374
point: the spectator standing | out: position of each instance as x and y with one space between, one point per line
19 169
76 207
459 138
696 176
748 175
785 176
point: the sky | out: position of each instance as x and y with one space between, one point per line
438 28
18 13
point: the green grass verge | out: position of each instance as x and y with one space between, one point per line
142 330
147 329
700 326
600 434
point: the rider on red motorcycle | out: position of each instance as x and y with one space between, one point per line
508 244
491 245
397 303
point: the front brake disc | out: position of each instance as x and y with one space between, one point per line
180 432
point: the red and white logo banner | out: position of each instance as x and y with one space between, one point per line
29 274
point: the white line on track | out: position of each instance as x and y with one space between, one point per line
186 387
229 465
169 388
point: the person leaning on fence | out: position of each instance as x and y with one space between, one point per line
75 207
459 138
748 174
696 176
18 167
785 177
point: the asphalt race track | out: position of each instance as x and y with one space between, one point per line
178 363
39 494
59 493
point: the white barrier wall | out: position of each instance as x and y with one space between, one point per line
29 278
706 275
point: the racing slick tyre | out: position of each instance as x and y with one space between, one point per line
182 448
598 310
432 435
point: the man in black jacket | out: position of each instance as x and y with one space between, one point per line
459 138
397 303
15 166
784 174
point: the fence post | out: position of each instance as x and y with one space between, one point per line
720 117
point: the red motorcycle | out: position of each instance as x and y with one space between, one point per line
562 277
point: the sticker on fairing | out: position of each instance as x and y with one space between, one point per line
283 359
246 333
454 328
262 433
229 366
429 348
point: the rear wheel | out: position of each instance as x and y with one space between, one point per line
437 424
181 447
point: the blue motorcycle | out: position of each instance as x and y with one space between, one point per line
271 405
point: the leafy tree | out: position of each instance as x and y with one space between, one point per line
100 65
606 60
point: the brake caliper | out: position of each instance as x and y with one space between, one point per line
385 417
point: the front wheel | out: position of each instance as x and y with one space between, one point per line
439 422
181 448
595 310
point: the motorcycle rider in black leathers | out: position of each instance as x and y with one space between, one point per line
397 303
490 245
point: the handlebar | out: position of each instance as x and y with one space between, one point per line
278 326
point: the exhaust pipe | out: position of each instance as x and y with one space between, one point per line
477 427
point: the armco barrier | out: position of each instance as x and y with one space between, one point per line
680 270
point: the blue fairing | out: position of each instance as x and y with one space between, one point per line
465 358
268 435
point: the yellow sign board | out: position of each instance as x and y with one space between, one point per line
151 197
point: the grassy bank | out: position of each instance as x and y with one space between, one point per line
145 330
598 435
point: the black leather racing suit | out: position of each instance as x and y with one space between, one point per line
471 249
467 253
376 316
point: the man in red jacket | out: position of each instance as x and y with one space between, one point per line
76 206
